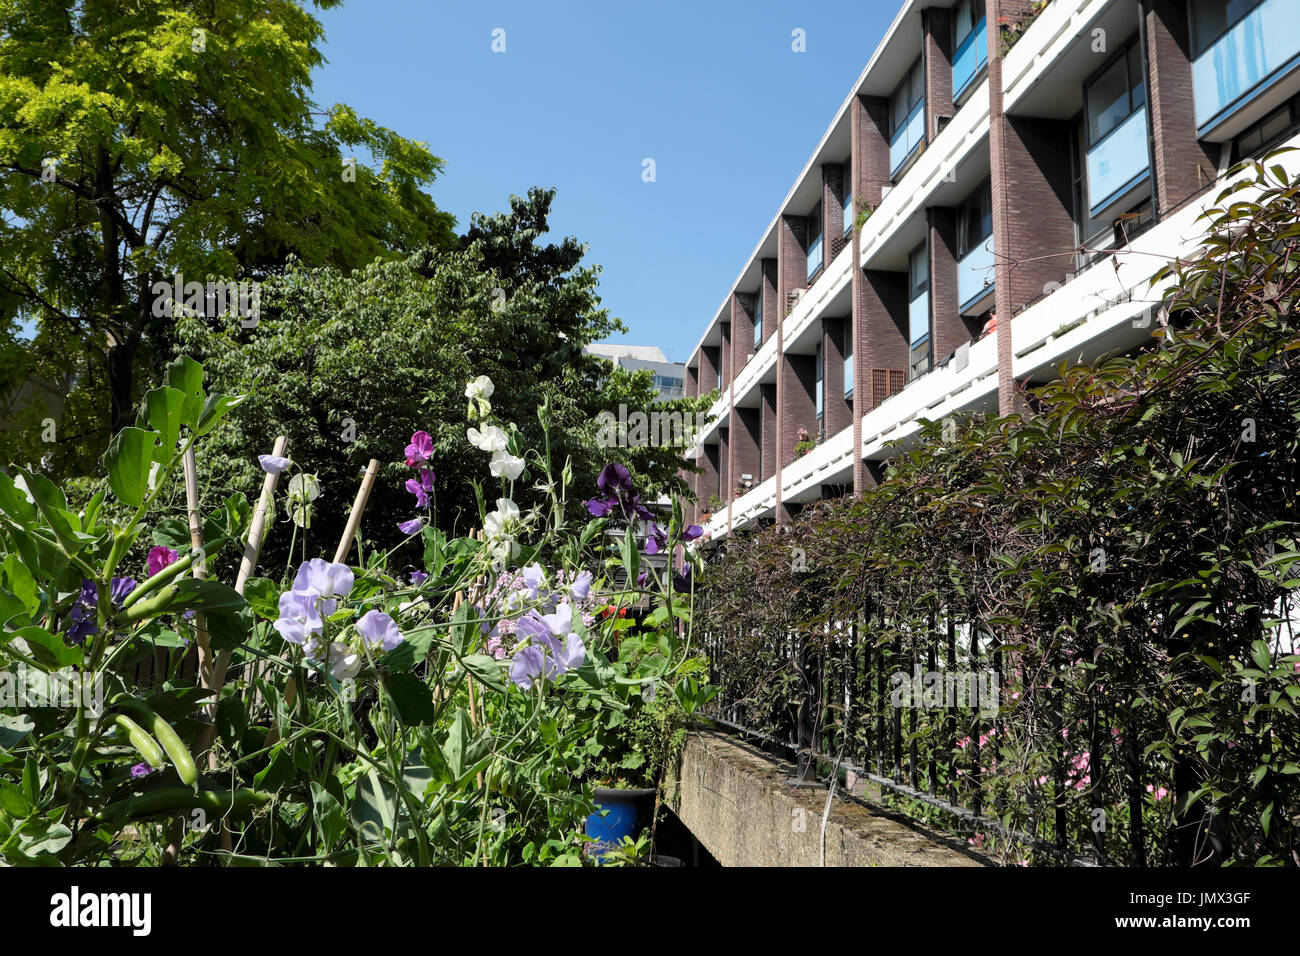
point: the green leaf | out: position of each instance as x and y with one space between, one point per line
412 698
414 648
204 594
21 583
13 800
457 743
163 411
216 408
128 460
229 629
186 376
487 670
48 649
263 596
278 773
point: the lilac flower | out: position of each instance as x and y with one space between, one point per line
300 618
376 627
412 526
581 586
142 770
119 588
572 655
527 666
325 579
561 622
422 488
159 557
418 578
273 464
533 577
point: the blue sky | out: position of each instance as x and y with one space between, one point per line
712 91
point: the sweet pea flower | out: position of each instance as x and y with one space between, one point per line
119 588
504 463
324 579
300 618
572 655
420 450
423 488
533 578
478 392
490 439
343 661
377 628
303 490
498 523
411 527
273 464
142 770
527 666
159 557
418 578
692 532
581 586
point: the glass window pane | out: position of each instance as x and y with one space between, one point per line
918 85
1137 77
1108 101
918 272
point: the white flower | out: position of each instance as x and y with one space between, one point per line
303 490
499 523
504 463
481 387
491 438
478 392
344 661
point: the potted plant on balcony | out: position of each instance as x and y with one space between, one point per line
804 444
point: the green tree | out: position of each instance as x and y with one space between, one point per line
142 140
349 365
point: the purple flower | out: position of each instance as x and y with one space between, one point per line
527 666
119 588
682 580
376 627
412 526
599 507
81 616
142 770
420 450
273 464
581 586
656 540
692 532
614 478
422 488
418 578
643 579
299 616
533 577
159 557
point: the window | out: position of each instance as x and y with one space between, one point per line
909 95
848 209
1115 94
758 315
821 386
815 241
1264 133
848 359
918 287
1211 19
969 43
975 220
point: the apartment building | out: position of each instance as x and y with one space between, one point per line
989 201
669 377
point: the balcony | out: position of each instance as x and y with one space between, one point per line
908 139
1118 163
972 56
975 274
1250 56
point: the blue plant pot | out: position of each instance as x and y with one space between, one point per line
630 812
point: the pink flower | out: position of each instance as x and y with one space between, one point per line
422 488
420 450
1160 793
159 557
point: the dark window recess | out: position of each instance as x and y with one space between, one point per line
975 220
1259 137
1115 94
1211 19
